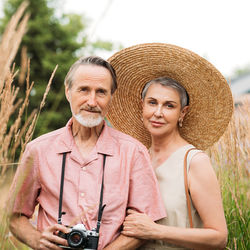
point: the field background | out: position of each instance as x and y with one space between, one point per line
229 156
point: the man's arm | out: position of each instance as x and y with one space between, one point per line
26 233
144 196
123 242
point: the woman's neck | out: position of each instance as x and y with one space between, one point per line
162 147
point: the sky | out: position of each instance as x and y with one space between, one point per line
215 29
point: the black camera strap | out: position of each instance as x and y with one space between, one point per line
59 221
101 207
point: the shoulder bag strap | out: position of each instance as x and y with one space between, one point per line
186 189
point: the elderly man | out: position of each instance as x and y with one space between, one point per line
86 164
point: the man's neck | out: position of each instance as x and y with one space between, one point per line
85 137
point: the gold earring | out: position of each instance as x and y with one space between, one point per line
180 123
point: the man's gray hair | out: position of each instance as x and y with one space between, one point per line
168 82
91 60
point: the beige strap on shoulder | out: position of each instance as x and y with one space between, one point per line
186 189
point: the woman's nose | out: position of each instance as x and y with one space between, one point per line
158 111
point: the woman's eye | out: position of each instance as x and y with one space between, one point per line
152 102
169 105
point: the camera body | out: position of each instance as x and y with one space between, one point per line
81 238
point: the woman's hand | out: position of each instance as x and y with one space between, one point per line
139 225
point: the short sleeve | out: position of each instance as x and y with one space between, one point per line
144 194
25 186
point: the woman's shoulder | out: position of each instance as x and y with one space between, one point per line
199 156
200 163
193 152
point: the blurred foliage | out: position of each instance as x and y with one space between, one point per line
51 39
242 71
103 44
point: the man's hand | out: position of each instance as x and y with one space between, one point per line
49 238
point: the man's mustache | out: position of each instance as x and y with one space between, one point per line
91 109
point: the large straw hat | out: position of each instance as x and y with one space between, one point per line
210 104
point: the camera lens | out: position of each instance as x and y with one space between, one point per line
76 239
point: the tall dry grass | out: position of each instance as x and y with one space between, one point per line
8 48
230 157
14 136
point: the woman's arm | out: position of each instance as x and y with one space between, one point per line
205 193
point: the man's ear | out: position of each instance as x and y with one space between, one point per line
67 93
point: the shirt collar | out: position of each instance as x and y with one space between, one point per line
105 142
65 141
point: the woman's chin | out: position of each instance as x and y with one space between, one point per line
156 132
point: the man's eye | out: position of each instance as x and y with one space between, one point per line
83 89
101 91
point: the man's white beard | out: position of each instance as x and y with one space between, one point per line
89 122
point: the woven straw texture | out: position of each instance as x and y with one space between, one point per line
211 103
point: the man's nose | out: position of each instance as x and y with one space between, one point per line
92 100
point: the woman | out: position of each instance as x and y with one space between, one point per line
175 126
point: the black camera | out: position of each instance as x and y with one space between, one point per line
80 238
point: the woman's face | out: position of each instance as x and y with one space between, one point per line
162 110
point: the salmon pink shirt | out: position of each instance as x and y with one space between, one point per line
129 181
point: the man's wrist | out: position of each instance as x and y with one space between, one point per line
33 240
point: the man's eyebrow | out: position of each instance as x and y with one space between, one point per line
83 86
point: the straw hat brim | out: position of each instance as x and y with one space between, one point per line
210 104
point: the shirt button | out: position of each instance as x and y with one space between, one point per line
84 168
82 194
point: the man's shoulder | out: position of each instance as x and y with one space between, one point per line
125 139
48 137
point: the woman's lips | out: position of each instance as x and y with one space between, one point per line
157 124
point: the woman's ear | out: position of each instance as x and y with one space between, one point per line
184 111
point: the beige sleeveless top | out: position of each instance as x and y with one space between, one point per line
170 175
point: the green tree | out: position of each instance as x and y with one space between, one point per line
51 39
